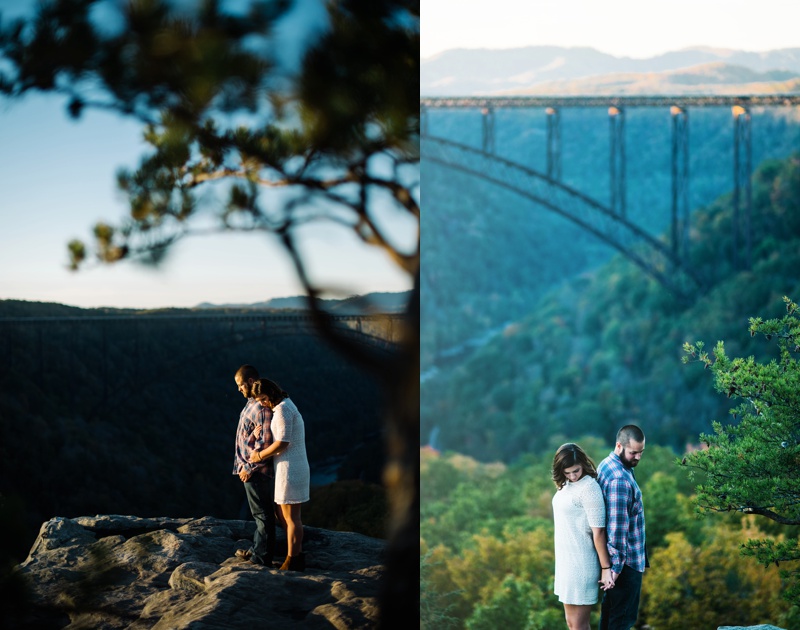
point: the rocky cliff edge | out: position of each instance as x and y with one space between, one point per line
130 572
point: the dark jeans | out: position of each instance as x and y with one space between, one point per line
621 604
260 491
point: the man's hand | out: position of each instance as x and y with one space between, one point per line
245 476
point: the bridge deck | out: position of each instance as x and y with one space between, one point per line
386 328
683 101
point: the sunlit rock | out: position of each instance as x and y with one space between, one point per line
128 572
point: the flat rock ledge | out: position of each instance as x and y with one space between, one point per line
169 573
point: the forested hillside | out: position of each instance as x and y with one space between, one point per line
138 416
605 347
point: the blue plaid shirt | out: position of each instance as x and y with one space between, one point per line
252 415
624 514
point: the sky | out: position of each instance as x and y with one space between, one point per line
58 178
623 28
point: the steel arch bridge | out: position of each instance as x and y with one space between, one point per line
651 255
666 260
117 346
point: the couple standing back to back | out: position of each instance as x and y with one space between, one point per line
271 461
599 532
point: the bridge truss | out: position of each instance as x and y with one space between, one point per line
610 223
651 255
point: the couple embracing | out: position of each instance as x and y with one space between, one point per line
271 461
599 532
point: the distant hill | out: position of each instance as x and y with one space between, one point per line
355 305
25 308
709 78
383 303
464 72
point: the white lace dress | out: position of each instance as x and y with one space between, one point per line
577 507
292 475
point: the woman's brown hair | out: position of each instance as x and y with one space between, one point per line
567 456
270 389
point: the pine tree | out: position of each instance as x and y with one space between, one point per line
752 465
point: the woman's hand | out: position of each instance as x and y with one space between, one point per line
255 457
257 431
606 579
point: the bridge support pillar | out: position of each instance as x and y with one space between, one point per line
742 168
616 119
553 144
488 130
680 181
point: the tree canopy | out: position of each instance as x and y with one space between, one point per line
752 466
342 134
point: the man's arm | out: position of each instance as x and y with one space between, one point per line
617 522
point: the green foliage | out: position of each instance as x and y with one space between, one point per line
671 507
478 572
753 466
602 349
499 572
769 551
707 585
515 604
434 608
464 498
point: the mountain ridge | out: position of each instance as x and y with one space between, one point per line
377 302
370 303
462 72
708 78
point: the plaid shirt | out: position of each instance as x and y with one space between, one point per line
252 415
624 514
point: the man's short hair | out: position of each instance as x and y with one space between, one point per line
629 432
246 372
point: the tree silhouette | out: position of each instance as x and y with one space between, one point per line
335 141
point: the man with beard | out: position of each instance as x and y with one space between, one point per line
625 529
252 434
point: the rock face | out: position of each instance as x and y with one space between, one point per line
129 572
